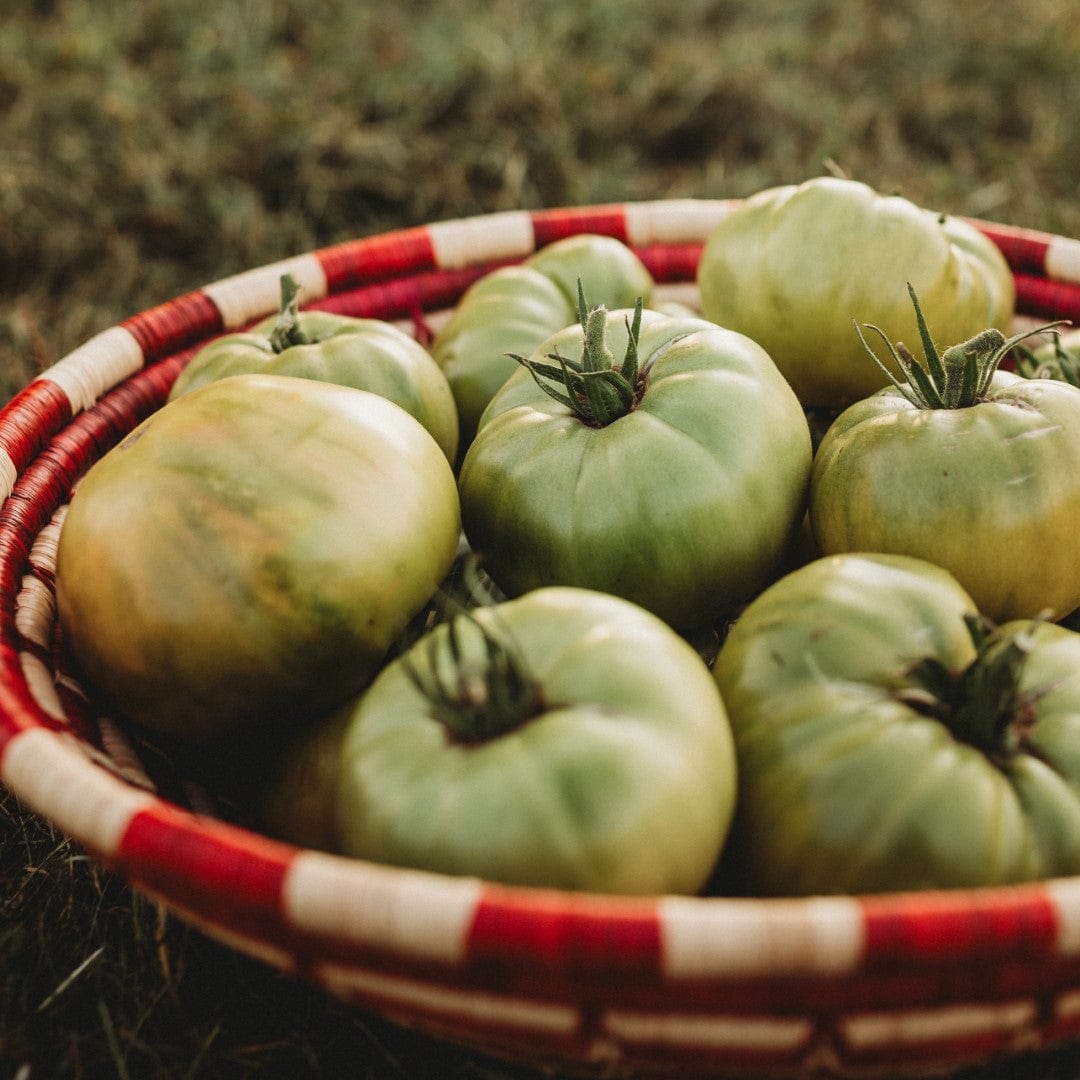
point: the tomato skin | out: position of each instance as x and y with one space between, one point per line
990 492
623 783
294 797
510 310
846 788
367 354
684 505
248 554
794 265
514 308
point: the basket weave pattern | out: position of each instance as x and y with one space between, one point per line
677 986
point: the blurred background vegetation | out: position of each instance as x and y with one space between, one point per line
149 148
146 149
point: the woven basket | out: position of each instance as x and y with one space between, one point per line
893 985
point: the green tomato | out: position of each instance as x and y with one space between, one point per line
248 554
1057 359
794 265
367 354
513 309
565 739
991 492
295 799
883 743
685 505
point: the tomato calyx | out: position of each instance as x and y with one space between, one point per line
286 331
982 704
957 378
1063 366
477 689
596 389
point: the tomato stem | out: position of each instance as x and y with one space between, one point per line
957 378
286 331
982 704
1063 366
474 679
595 388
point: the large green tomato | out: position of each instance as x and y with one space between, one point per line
367 354
248 554
513 309
576 743
873 756
987 487
794 265
685 504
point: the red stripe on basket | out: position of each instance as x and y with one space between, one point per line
19 711
1024 249
376 258
31 418
174 324
543 931
551 225
1044 298
228 875
47 481
669 262
404 297
932 927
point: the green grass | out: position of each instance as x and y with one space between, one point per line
148 148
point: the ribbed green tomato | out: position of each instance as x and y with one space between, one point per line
872 756
367 354
685 504
249 552
794 265
966 466
581 745
991 492
513 309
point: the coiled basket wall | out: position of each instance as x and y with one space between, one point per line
847 986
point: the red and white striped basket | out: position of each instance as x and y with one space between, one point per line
677 987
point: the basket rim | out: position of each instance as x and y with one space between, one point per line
299 908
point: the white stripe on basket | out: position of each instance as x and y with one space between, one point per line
709 1031
96 366
35 616
120 756
35 610
674 221
39 681
255 293
913 1027
8 474
1067 1005
702 938
489 1010
1064 894
55 778
421 915
1062 259
475 240
681 293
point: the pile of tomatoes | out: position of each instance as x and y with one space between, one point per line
698 645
